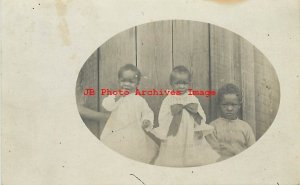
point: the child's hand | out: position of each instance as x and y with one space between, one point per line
199 135
224 146
146 125
228 147
118 96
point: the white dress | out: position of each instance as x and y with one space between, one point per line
123 131
185 148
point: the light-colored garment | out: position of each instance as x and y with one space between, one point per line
123 131
186 148
235 135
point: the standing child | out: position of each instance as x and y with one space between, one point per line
130 119
179 117
231 135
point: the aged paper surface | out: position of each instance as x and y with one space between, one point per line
44 45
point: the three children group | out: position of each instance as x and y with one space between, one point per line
186 139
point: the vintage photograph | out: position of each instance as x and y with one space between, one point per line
177 93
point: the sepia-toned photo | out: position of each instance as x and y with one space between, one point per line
177 93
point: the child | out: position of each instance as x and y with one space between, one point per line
130 118
231 135
179 115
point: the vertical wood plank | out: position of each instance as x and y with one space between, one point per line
267 93
248 86
88 78
225 63
191 49
154 59
113 54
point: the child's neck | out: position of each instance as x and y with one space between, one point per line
183 93
230 119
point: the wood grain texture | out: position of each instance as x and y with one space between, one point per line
113 54
191 49
225 63
154 59
247 83
215 56
267 93
88 78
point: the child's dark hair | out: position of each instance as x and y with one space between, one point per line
130 67
180 69
229 89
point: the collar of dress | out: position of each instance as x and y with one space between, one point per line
229 120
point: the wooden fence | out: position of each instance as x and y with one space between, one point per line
215 56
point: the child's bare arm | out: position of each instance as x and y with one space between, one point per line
91 114
147 116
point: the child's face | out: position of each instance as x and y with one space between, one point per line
180 82
230 106
128 80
